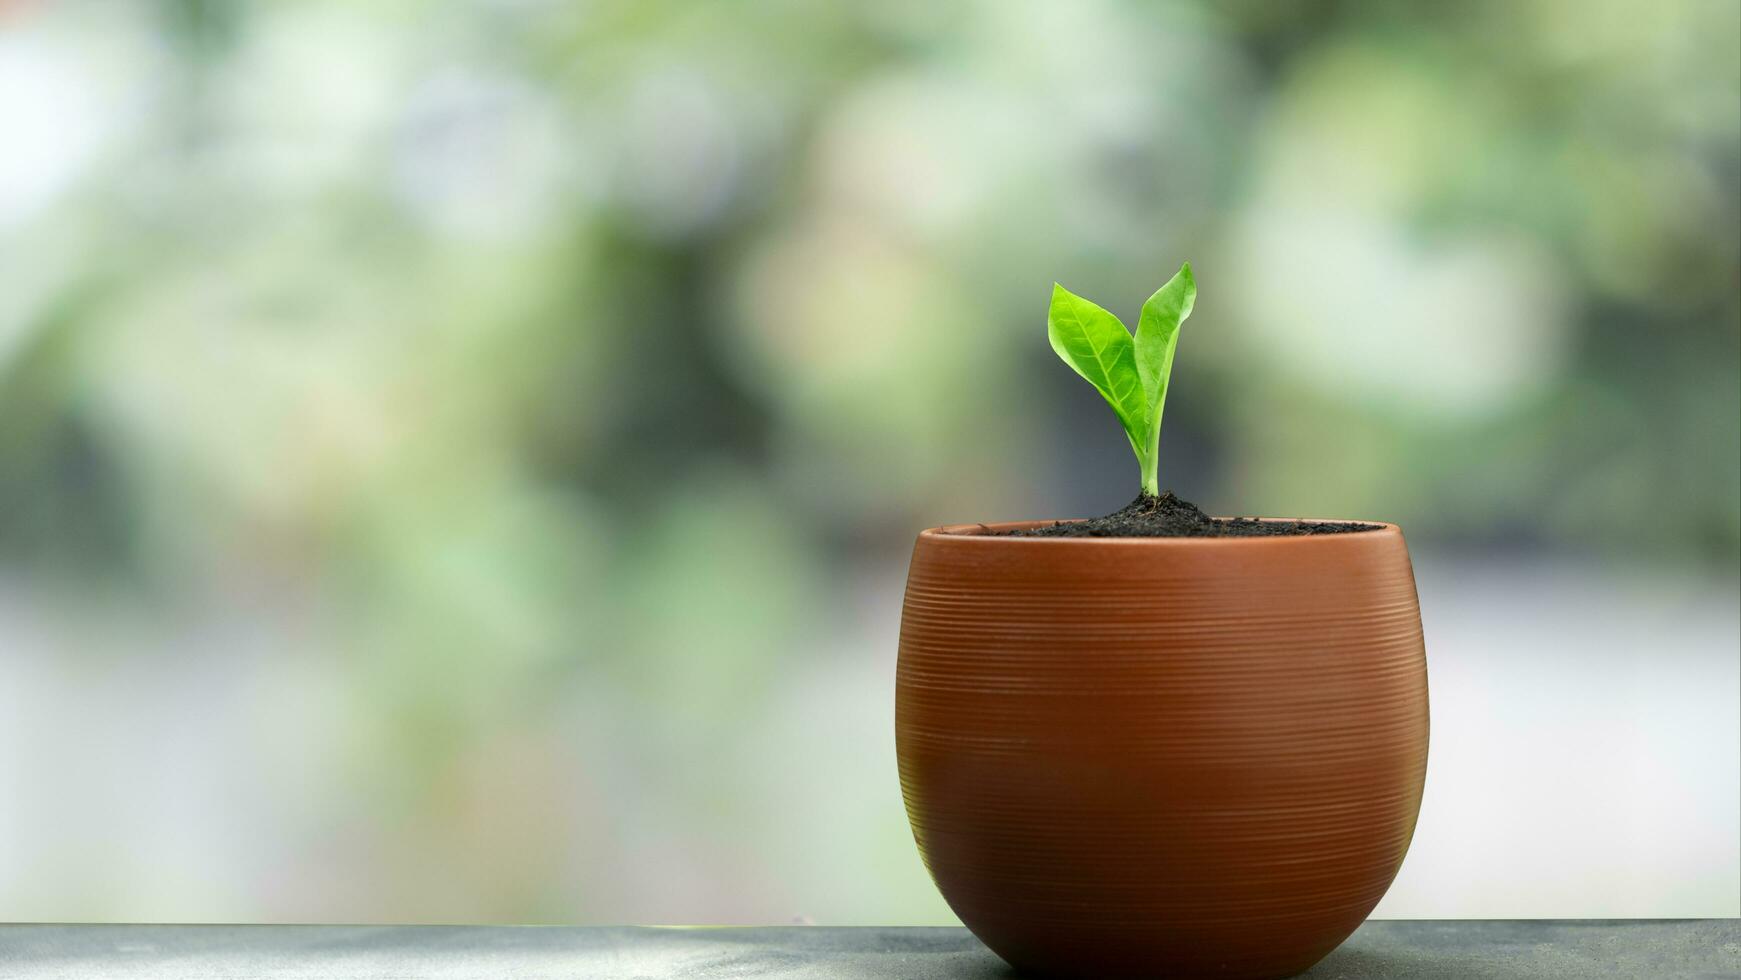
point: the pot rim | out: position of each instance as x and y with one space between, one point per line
989 532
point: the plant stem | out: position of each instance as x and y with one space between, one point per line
1151 478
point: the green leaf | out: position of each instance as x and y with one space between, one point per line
1157 336
1131 374
1098 346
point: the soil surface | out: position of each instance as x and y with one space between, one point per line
1167 516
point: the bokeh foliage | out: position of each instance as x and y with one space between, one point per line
552 376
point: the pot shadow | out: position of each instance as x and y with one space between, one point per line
1341 965
921 953
1344 963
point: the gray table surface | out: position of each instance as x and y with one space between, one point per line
1463 950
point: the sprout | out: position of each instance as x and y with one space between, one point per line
1130 374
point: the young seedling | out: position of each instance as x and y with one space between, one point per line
1130 374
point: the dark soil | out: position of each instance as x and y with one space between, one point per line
1167 516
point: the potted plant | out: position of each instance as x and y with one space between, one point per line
1159 743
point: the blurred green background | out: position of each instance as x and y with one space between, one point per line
457 460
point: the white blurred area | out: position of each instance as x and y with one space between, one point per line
1585 763
1586 744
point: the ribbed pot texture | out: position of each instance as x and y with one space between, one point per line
1161 757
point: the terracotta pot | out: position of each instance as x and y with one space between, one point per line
1161 756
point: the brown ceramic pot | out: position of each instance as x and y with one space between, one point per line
1156 757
